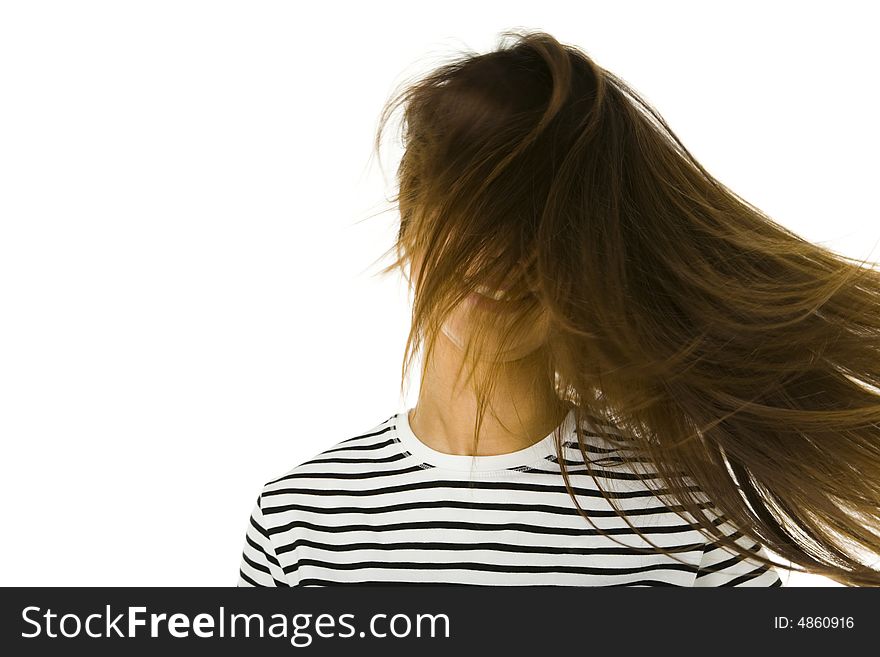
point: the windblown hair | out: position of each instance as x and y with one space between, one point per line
695 333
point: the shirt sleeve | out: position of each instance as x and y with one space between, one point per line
259 563
734 569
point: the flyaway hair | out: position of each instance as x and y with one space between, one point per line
697 335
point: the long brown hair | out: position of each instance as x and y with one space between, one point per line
694 332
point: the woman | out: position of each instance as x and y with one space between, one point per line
631 376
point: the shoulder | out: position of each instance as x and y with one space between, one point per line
344 458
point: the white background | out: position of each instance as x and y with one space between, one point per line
190 220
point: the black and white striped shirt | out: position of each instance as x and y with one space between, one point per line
385 508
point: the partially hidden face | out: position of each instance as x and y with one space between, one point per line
496 310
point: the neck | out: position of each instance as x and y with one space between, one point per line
526 406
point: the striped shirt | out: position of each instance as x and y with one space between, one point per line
383 507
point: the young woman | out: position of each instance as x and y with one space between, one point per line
631 376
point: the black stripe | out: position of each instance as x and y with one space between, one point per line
384 429
481 485
736 558
256 566
479 526
384 459
259 529
495 547
488 567
313 581
265 554
247 579
349 475
329 475
473 506
366 446
757 572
